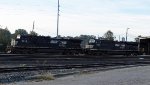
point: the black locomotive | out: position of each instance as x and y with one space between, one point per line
45 44
100 47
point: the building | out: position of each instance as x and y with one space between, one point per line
145 45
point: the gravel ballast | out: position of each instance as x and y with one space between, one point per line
127 76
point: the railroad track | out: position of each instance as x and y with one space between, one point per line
63 56
65 62
52 67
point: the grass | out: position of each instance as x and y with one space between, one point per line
44 77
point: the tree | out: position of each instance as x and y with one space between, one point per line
69 37
109 35
33 33
5 38
19 32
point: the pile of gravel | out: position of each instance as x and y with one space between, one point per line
6 78
17 76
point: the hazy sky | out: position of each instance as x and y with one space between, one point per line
93 17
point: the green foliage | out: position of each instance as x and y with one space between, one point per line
19 32
109 35
5 38
33 33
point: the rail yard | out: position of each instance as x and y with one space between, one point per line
79 54
30 56
21 67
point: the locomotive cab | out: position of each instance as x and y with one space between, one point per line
90 44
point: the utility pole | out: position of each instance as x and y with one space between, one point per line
33 26
58 19
127 34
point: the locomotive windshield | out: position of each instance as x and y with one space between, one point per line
92 41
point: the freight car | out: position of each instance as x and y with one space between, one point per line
44 44
102 47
